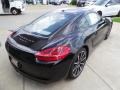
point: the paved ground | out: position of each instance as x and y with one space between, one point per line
102 71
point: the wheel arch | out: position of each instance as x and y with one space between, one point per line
12 8
99 12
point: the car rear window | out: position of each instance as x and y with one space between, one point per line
49 23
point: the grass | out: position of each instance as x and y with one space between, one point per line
116 19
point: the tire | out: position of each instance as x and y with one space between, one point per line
119 14
15 11
100 13
78 64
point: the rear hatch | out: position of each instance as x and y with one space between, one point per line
29 40
24 45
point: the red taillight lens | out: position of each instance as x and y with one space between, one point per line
53 54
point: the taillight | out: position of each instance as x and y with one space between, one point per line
53 54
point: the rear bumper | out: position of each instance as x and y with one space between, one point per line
45 73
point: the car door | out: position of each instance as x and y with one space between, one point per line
99 27
112 8
88 31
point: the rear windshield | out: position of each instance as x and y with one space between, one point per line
49 23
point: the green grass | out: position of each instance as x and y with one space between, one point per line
116 19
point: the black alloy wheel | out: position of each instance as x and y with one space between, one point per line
78 64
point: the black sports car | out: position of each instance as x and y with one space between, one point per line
57 44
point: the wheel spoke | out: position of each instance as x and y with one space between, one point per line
83 59
76 63
80 69
82 56
82 64
76 70
78 58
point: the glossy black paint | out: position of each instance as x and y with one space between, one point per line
23 45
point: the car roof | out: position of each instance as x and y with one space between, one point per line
74 11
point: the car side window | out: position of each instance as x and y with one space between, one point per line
79 25
93 18
83 23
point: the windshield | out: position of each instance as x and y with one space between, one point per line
48 23
100 2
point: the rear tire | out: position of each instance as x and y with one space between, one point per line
78 64
15 11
